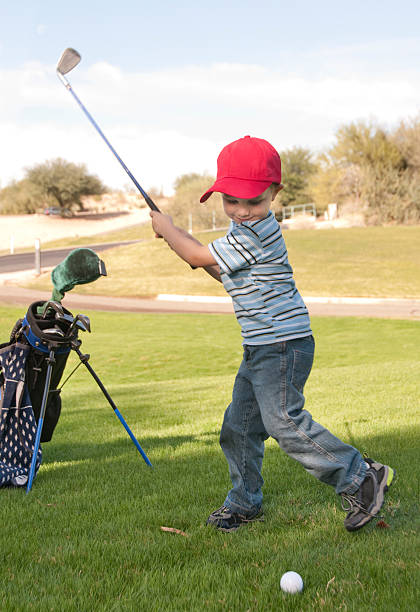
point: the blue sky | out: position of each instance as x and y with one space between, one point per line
170 83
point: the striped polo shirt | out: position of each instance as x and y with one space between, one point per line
256 273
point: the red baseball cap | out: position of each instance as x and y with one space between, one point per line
246 168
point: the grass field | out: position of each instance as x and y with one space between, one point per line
368 262
89 537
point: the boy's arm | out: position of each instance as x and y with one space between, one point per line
212 270
184 245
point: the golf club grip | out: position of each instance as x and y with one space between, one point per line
151 204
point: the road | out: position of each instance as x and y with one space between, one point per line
49 258
321 306
342 307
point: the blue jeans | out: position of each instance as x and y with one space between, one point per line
268 400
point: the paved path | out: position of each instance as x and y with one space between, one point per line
50 257
359 307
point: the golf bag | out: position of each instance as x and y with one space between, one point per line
31 366
17 421
23 370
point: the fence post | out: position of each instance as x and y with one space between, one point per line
37 256
332 211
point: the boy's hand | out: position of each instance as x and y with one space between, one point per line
160 222
180 241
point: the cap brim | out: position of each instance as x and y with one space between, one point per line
238 188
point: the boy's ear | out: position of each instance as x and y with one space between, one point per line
276 188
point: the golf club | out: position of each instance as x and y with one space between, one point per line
64 317
82 322
69 60
53 305
54 331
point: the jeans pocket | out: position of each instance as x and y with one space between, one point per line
302 365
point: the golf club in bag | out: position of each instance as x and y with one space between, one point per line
69 60
31 366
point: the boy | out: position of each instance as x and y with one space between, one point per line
252 263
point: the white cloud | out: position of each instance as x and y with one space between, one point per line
155 159
169 122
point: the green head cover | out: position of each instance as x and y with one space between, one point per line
81 266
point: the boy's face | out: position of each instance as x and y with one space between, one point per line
240 210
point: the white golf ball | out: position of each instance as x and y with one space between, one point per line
291 582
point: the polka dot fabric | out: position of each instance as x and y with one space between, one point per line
17 420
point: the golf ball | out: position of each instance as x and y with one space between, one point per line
291 582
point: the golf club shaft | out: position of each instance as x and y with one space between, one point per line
149 201
113 406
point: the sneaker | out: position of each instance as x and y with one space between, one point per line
365 504
224 519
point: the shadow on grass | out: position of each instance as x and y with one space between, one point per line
99 495
67 451
194 465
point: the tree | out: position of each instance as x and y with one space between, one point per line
186 201
331 183
188 179
366 145
66 183
21 197
297 168
384 164
407 139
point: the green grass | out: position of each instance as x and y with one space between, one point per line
368 262
142 231
88 536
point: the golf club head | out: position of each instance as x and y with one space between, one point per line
68 318
80 322
83 322
68 60
54 331
81 326
53 305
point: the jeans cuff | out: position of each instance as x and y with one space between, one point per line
240 509
357 480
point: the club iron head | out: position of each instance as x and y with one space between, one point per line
54 306
68 60
68 318
54 331
83 322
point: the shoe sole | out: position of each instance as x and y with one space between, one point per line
389 476
216 517
236 526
